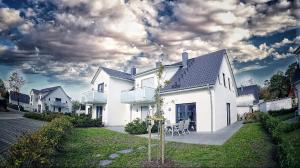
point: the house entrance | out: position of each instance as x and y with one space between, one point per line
187 111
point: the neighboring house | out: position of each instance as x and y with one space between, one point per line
23 99
296 78
273 105
248 98
53 99
201 89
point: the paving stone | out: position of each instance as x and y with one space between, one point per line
125 151
105 162
114 155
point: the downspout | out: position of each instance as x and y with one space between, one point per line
211 110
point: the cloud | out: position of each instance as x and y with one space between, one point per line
8 18
250 68
76 36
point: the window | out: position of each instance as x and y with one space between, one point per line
31 98
219 79
58 99
101 87
66 102
149 82
224 80
229 84
49 98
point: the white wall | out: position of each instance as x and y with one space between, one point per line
243 109
222 96
279 104
200 97
298 94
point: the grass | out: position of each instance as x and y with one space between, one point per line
250 147
294 139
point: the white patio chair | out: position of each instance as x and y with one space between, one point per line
179 129
168 129
186 127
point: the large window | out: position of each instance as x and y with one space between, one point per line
58 99
101 87
229 84
186 111
149 82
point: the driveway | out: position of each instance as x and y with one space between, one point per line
217 138
12 125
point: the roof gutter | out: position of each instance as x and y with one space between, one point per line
211 109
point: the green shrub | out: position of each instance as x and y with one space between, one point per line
136 127
282 111
35 150
287 155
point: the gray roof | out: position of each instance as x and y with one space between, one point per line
118 74
24 98
46 91
246 90
201 71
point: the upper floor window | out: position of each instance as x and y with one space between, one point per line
224 81
101 87
31 98
58 99
148 82
229 84
49 98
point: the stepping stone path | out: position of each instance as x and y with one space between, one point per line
114 155
105 162
125 151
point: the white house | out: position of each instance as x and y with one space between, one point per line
247 100
23 99
201 89
53 99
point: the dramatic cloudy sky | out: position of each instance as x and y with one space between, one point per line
63 42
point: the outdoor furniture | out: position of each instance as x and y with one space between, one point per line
186 126
168 127
179 128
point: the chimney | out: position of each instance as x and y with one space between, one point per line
133 70
185 57
157 64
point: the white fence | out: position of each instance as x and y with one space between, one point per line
285 103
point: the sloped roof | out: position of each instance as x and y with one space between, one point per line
23 98
251 89
200 71
47 91
118 74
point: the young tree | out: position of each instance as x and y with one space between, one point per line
279 86
75 105
2 87
15 83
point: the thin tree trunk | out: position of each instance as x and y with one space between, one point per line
163 144
149 143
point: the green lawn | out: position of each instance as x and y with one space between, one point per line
294 139
250 147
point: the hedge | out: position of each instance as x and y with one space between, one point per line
276 128
36 149
282 111
139 127
77 121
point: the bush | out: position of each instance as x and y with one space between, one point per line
136 127
250 117
77 121
282 112
35 150
287 155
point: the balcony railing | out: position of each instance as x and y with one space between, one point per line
139 95
93 97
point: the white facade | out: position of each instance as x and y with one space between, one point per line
125 100
113 112
285 103
54 101
297 90
245 104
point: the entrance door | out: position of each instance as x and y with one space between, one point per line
144 112
228 114
99 112
187 111
59 109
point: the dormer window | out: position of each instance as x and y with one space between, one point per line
101 87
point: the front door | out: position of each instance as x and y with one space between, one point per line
144 112
228 114
187 111
99 112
